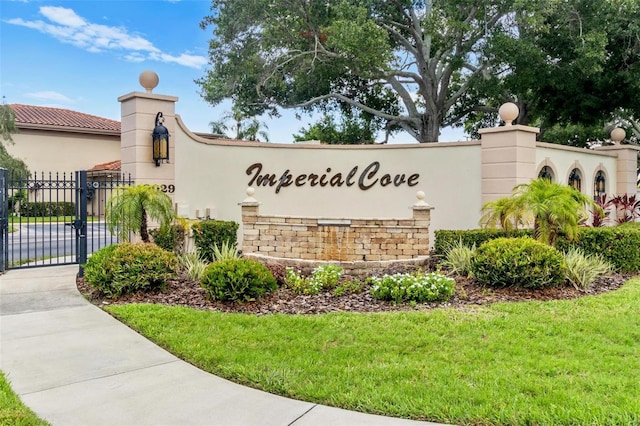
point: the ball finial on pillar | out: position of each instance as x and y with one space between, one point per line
149 80
618 135
508 112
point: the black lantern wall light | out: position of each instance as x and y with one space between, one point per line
160 141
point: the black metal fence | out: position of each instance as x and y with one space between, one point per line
49 219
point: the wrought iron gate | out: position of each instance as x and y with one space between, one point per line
50 219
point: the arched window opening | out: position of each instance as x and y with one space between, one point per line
546 173
599 185
575 180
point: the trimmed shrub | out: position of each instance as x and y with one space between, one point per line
209 233
618 245
416 287
238 280
169 237
46 209
129 267
445 239
583 269
521 262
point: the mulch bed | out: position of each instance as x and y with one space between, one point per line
183 292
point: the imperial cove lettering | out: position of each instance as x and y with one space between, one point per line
365 178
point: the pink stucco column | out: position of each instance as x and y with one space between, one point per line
138 112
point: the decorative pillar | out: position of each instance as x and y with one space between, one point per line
422 222
250 212
627 164
508 155
138 112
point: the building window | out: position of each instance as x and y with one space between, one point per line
546 173
575 180
599 185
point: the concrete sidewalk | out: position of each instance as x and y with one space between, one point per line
73 364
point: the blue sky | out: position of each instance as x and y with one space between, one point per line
82 55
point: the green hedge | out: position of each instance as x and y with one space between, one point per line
620 246
238 280
129 267
169 237
47 209
520 262
445 239
209 233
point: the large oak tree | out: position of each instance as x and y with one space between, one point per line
408 63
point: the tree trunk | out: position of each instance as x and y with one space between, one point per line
144 233
429 128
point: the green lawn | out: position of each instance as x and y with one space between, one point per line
553 363
12 411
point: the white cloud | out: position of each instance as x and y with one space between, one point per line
68 27
50 96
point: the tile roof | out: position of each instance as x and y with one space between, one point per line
56 117
110 166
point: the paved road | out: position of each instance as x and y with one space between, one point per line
45 241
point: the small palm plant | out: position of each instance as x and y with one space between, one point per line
130 207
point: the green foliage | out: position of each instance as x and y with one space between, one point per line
520 262
618 245
560 362
351 130
47 209
458 259
444 238
244 127
226 250
17 168
12 411
629 225
324 277
352 286
553 208
583 269
14 200
209 233
128 267
170 237
7 123
237 280
340 54
193 264
130 207
416 287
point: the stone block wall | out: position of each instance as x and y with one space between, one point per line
336 240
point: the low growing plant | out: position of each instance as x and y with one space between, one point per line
349 287
324 277
226 250
521 262
129 267
582 269
416 287
193 264
238 280
458 259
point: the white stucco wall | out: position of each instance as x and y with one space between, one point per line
52 151
563 159
212 174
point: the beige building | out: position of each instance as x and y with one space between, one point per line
63 141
